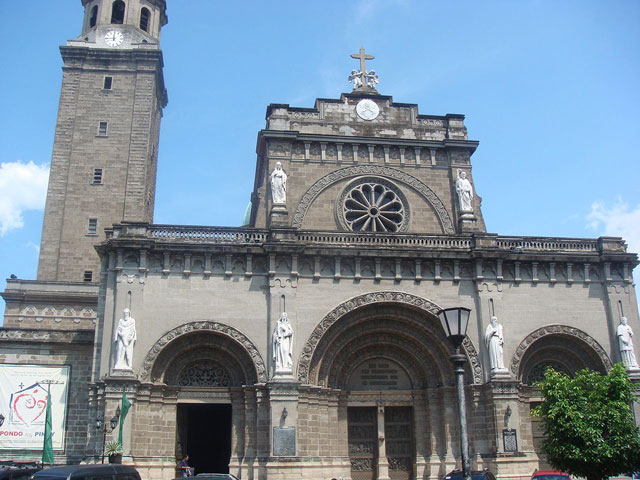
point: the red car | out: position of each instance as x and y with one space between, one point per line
549 475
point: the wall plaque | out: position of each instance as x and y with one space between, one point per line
510 440
379 374
284 441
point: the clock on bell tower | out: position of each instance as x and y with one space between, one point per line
103 166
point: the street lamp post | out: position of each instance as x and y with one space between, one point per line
101 427
454 322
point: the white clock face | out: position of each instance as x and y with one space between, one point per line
367 109
113 38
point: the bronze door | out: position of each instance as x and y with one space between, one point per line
399 442
363 442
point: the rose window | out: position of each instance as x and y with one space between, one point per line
373 205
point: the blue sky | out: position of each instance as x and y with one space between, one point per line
550 89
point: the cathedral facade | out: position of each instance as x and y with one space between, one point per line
305 344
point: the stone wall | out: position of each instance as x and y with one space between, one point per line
53 347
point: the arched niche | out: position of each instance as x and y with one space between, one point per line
564 348
198 341
393 324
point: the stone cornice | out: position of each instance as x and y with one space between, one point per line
401 142
35 291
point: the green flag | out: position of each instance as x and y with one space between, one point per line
47 447
124 408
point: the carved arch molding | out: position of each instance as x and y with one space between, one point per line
516 362
204 326
383 297
357 170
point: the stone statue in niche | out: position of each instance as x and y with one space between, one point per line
625 343
494 340
278 184
124 337
282 345
465 192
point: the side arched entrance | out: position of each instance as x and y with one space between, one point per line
381 362
565 349
202 369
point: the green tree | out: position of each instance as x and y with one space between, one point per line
588 423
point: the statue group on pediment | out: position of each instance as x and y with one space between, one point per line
368 78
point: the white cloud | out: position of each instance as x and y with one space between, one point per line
617 220
23 186
35 247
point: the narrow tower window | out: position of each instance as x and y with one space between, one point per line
88 276
145 15
93 17
108 82
102 129
97 176
117 12
92 227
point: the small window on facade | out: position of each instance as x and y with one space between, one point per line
97 176
93 16
117 12
145 15
92 228
88 276
102 128
108 82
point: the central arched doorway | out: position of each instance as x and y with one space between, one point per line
389 360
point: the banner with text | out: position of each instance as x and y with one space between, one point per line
23 405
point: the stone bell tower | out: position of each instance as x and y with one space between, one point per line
103 167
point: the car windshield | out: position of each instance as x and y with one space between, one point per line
552 476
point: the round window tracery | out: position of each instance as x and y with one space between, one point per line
205 373
373 205
536 374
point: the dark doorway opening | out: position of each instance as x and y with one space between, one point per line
205 434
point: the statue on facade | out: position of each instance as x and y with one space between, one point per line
282 345
124 337
372 79
278 184
465 192
356 78
494 340
625 343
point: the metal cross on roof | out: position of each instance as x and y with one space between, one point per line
363 58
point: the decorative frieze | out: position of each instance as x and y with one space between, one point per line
46 336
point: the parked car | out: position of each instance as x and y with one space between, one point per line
88 472
213 476
549 475
18 470
475 475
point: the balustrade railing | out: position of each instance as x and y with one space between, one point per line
221 235
206 234
396 240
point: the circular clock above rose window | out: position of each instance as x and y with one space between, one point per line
367 109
